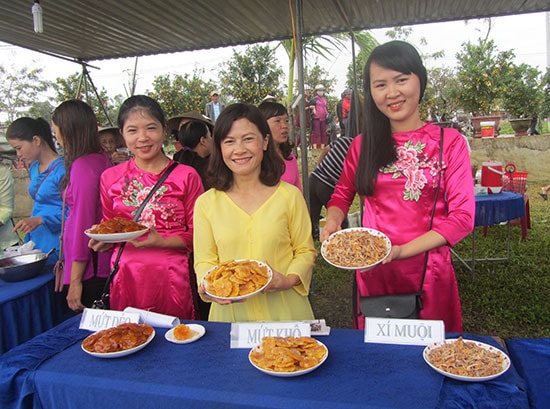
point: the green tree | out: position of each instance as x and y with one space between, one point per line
366 43
114 107
311 46
438 97
404 34
522 92
481 72
400 33
41 110
19 89
545 109
318 75
78 86
250 76
181 93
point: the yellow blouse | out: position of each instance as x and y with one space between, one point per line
278 233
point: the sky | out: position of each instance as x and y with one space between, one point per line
526 34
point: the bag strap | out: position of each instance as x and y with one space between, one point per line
61 257
140 209
154 189
434 206
45 177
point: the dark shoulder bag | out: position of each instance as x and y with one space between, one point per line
399 305
103 303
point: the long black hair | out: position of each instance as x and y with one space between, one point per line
191 133
377 145
78 126
26 128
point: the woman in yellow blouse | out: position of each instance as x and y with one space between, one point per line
251 214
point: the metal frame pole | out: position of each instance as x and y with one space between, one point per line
298 11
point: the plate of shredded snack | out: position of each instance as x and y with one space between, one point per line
122 340
288 356
116 230
237 279
356 248
466 360
185 333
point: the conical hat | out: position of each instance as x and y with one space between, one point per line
173 123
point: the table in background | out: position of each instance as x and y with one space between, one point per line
27 308
491 210
532 360
52 371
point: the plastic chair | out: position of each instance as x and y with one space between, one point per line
514 181
517 182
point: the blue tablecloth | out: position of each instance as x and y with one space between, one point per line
27 308
532 360
498 208
51 371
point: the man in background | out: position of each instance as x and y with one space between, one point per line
214 108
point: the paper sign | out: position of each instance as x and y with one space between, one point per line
403 332
154 319
250 334
96 320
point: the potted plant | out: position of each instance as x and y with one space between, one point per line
522 96
480 73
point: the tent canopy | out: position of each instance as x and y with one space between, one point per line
94 30
83 31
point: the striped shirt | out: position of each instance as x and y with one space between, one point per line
330 168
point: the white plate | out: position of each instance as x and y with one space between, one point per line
505 362
241 297
365 229
116 237
119 354
199 332
288 374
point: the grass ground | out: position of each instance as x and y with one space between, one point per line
506 299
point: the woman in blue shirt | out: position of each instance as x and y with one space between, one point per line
33 142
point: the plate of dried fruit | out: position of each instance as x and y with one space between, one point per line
466 360
356 248
288 356
237 279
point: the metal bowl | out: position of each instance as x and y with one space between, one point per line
23 267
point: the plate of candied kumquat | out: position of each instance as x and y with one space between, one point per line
185 333
119 341
116 230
